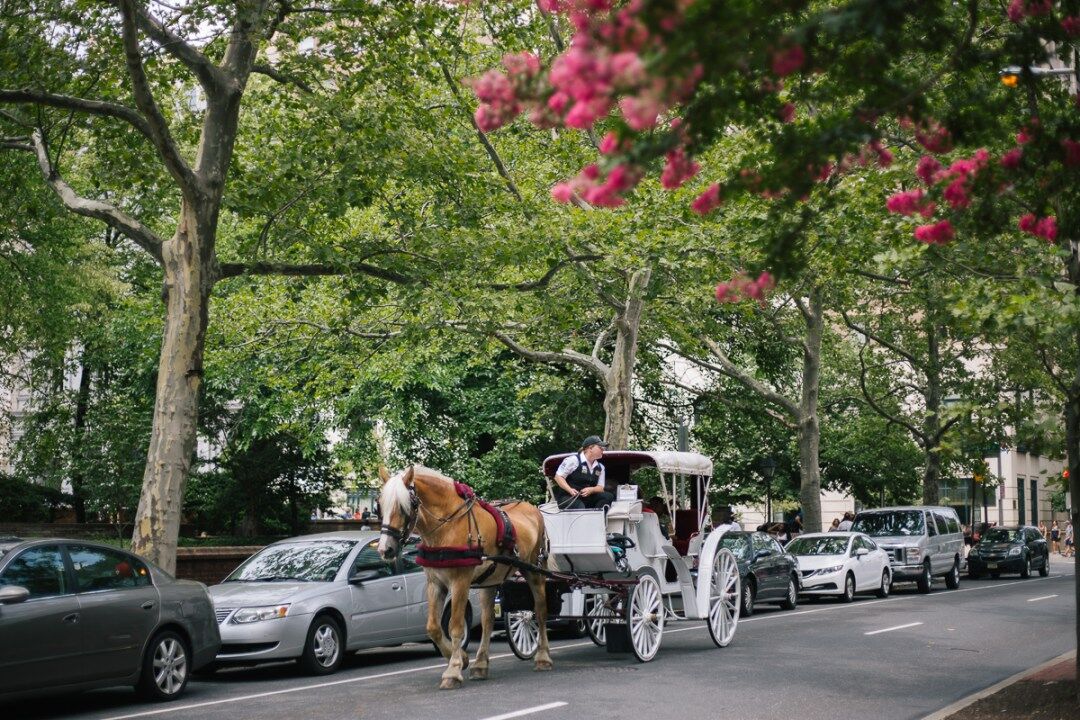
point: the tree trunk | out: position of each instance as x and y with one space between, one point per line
78 479
619 380
809 428
188 280
932 423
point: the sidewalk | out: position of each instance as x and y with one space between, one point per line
1046 692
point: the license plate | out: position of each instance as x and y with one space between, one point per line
992 566
498 610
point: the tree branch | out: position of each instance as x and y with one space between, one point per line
27 96
916 433
228 270
97 209
159 132
209 75
915 363
567 356
544 279
278 76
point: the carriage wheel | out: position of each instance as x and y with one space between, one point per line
599 610
523 633
724 596
645 617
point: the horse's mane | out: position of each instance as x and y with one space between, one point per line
395 494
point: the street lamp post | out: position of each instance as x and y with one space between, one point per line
767 467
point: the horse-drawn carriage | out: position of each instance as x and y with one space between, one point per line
617 569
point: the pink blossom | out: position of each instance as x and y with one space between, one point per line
758 288
1024 136
1011 159
928 169
885 158
488 118
609 144
522 63
725 293
548 6
678 169
1028 222
1071 25
787 61
493 87
937 234
562 192
1046 227
707 201
934 137
1019 9
585 113
641 111
956 194
627 69
787 112
1072 152
905 203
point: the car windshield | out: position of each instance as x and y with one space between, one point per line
1001 535
886 524
303 561
818 546
735 543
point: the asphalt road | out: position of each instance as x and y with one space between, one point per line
899 658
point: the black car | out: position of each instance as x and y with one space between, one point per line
768 573
1009 550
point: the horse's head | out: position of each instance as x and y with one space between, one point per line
399 509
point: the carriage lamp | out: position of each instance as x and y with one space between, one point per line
257 614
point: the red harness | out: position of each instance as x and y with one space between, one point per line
448 556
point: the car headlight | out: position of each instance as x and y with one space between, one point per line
255 614
828 570
913 554
1014 551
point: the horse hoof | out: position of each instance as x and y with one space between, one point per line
478 673
543 665
450 684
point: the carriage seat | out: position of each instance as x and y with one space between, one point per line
625 510
650 540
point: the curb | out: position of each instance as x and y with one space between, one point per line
972 699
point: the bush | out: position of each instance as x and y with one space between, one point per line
22 501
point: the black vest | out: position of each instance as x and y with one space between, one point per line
582 478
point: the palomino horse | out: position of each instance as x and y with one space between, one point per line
455 533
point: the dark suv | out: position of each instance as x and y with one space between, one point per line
1009 549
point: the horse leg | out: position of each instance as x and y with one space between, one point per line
479 670
436 596
538 584
459 660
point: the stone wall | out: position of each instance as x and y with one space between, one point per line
211 565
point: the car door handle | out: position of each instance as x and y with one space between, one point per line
148 605
396 586
71 619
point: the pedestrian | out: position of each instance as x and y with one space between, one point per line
845 524
1042 528
580 479
365 515
658 507
1055 536
1070 541
835 525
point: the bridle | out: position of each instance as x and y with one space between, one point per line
402 534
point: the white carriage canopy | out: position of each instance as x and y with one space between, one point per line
687 506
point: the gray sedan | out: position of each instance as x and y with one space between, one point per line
76 615
314 598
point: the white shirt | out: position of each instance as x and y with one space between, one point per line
844 526
570 464
725 527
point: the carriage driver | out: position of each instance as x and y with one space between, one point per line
579 481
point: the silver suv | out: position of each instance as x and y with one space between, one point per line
922 542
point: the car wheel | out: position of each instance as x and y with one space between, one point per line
926 580
165 668
886 585
1044 569
325 647
952 580
749 592
1025 572
849 589
791 600
446 625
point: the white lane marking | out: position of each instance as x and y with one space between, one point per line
1044 597
526 711
890 629
696 626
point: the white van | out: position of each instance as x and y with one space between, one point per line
922 542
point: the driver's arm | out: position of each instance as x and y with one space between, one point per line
561 482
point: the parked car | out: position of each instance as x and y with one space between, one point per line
841 564
922 542
1009 550
76 615
316 597
768 573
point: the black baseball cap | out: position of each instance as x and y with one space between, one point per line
593 440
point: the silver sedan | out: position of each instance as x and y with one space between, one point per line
314 598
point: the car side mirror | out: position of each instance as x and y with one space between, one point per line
362 576
761 554
861 551
11 594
